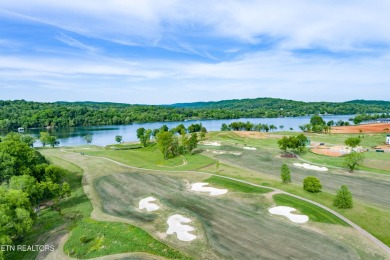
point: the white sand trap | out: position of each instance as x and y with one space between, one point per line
237 154
148 205
250 148
199 186
311 167
212 143
286 211
181 230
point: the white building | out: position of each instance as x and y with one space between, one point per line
21 130
388 139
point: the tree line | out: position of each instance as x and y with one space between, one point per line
27 180
21 113
173 142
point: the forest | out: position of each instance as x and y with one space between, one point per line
28 114
28 182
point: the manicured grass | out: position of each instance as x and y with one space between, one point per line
314 212
373 162
235 185
94 238
124 146
151 158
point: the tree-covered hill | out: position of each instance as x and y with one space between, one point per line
14 114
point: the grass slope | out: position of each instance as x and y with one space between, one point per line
314 212
93 238
235 185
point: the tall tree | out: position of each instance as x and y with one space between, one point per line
353 141
352 160
285 173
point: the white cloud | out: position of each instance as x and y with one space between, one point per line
336 25
198 27
75 43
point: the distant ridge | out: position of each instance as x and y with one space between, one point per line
27 114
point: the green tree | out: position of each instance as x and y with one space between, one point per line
28 139
317 120
203 132
165 143
118 138
193 142
65 191
352 160
15 215
44 138
144 135
27 184
285 173
88 138
225 127
312 184
53 141
353 142
17 158
343 198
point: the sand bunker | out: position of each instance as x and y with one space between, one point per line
286 211
311 167
181 230
148 205
250 148
212 143
199 186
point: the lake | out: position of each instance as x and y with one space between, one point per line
104 135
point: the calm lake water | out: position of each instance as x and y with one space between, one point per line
104 135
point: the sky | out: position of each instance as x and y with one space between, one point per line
164 52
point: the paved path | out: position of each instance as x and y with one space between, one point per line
352 224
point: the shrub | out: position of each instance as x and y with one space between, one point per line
343 198
285 174
312 184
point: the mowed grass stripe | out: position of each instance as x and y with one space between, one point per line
236 186
314 212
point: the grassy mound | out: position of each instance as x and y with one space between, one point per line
314 212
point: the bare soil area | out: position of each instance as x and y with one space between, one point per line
355 129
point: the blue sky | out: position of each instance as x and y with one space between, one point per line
162 52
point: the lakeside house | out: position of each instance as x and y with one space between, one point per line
21 129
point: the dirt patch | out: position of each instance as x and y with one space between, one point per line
355 129
327 152
383 147
252 134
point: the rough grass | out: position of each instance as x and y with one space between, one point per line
269 176
314 212
75 212
364 186
94 238
120 196
236 227
235 185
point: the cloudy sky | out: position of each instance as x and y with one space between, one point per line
161 52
